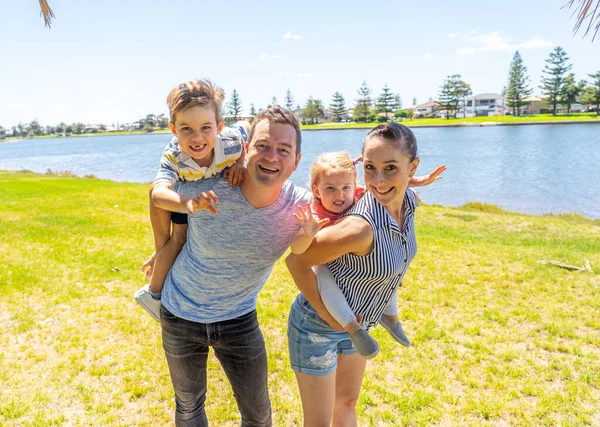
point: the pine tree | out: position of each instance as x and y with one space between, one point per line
252 110
274 102
554 71
337 107
313 109
363 104
414 101
289 100
591 94
234 107
571 91
518 84
397 102
451 93
385 102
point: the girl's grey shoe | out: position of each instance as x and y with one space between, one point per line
365 344
395 330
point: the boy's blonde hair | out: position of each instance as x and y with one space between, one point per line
337 162
195 92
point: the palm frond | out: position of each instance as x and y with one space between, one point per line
46 13
585 10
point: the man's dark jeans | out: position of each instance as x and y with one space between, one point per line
239 347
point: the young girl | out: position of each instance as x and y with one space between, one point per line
333 184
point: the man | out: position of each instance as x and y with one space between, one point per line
209 297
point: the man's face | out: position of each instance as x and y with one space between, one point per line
272 157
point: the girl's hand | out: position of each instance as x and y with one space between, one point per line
421 181
310 226
203 201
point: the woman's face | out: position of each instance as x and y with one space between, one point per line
387 171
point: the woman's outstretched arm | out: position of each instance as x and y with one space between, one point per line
350 235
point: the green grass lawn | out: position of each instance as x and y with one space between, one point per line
499 339
472 120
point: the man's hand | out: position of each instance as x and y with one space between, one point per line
148 267
422 181
203 201
235 174
306 220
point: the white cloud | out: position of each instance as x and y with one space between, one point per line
252 65
305 74
495 42
269 56
453 35
536 42
289 35
282 74
467 51
427 55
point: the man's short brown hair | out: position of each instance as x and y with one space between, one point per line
195 92
282 116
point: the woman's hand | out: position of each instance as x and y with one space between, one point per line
422 181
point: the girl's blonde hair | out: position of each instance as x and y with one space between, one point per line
338 162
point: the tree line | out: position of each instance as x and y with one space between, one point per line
558 86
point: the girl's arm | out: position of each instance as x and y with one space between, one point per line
309 227
350 235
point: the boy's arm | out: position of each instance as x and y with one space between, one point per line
422 181
309 228
165 198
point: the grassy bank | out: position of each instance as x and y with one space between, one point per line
500 339
473 121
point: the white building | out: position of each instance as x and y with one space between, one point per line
485 104
424 109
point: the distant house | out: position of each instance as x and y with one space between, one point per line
533 105
429 107
485 104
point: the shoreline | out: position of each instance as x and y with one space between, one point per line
472 205
329 126
334 126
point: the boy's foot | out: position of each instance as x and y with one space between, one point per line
365 344
395 330
148 303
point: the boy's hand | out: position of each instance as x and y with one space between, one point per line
148 266
306 220
421 181
203 202
235 174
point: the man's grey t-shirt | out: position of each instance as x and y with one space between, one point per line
228 257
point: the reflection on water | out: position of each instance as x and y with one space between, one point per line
533 169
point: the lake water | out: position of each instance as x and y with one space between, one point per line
532 169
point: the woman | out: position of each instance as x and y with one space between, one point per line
368 252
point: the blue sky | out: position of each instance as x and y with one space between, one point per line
115 61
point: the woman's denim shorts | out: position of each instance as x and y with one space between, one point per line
313 345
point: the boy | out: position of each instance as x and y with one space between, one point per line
198 150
